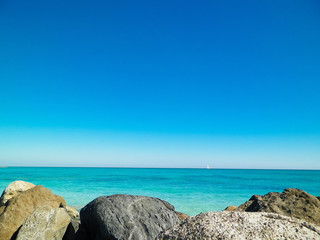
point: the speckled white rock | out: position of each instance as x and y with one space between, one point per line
241 226
13 189
45 223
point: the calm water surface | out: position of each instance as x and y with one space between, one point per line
190 190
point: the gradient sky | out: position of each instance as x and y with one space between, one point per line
230 84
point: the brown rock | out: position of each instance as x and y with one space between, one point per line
182 216
231 208
13 189
18 208
45 223
291 202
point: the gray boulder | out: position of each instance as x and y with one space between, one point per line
241 225
126 217
291 202
45 223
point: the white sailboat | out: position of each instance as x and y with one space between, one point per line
208 167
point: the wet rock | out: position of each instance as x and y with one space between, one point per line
127 217
19 208
241 225
13 189
45 223
291 202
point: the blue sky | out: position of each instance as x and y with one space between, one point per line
231 84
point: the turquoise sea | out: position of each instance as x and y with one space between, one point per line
190 190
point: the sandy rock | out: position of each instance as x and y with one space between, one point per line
291 202
2 209
72 212
20 207
45 223
127 217
13 189
241 226
230 208
182 216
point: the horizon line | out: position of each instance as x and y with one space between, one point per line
204 168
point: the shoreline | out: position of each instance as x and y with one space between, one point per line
122 214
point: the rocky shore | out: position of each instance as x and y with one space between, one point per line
34 212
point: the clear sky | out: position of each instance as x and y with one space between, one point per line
230 84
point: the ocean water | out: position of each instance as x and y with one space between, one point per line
191 191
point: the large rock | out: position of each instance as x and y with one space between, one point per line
127 217
45 223
13 189
291 202
241 225
18 208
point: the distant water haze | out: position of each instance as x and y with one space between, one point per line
41 147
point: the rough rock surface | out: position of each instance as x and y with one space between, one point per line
241 225
127 217
45 223
291 202
18 208
13 189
